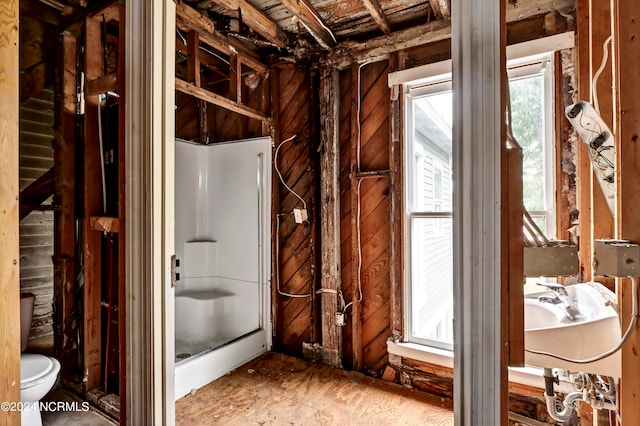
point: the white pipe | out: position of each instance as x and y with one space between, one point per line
567 406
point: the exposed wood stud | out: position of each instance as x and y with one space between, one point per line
9 229
194 77
92 205
626 85
601 221
276 318
206 59
312 21
396 202
66 304
257 20
374 8
441 8
218 100
356 321
584 172
193 57
330 213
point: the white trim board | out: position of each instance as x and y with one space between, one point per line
514 51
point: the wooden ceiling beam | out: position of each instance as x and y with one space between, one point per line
40 11
441 8
188 18
312 21
257 20
379 48
374 8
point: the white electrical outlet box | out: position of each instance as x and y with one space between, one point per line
340 319
300 215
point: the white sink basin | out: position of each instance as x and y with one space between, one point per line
548 329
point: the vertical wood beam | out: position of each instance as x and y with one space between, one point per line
602 220
626 66
193 57
194 76
330 213
9 228
66 305
276 317
92 206
356 320
396 62
477 54
584 170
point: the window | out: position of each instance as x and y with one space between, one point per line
429 181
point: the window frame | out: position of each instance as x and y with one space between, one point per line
440 82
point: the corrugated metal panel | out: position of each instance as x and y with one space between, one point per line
36 230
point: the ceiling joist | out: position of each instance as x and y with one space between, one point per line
374 8
379 48
257 20
441 8
188 18
312 21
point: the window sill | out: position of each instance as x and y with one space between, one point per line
527 376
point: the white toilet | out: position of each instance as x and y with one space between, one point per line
38 373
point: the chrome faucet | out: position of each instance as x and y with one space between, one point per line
562 296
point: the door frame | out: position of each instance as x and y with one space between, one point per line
149 242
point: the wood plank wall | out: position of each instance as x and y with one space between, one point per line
36 230
296 318
375 238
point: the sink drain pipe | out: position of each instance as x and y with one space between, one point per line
568 405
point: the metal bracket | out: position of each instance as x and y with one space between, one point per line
616 258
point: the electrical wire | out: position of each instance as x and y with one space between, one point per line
594 87
104 179
322 24
278 264
358 203
625 337
275 165
277 242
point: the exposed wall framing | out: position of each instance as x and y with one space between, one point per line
365 215
67 315
9 231
297 272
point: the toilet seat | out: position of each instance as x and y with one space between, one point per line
34 369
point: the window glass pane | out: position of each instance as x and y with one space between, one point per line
432 153
527 110
432 279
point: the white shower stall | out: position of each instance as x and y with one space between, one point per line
222 243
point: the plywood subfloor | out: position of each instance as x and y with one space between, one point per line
279 390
